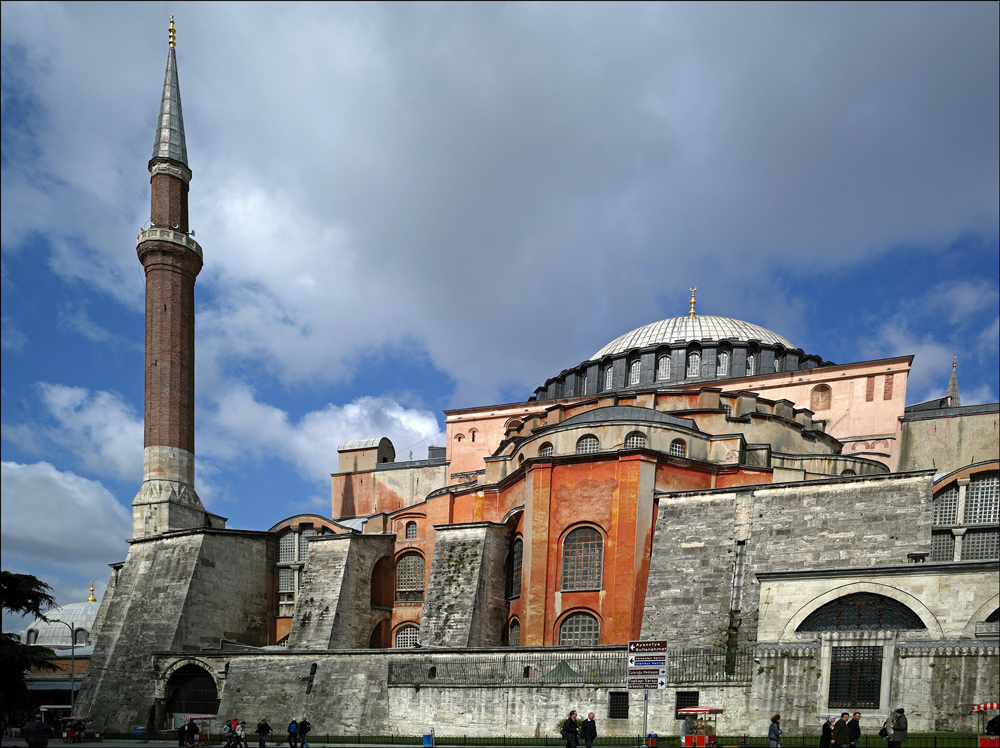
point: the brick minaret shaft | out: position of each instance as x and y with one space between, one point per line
172 260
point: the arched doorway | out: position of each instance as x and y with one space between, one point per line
190 690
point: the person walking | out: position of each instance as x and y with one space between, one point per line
841 732
898 728
304 728
826 739
228 733
571 731
192 732
774 732
182 735
38 732
293 734
263 730
855 728
241 735
588 730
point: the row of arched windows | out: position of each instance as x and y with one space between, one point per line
580 629
590 444
692 368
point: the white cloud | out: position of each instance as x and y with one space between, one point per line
60 519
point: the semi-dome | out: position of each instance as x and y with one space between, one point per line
703 328
52 633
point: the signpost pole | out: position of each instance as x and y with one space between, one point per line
645 713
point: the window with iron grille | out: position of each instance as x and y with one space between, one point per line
516 560
588 445
887 388
608 378
286 580
678 448
663 367
722 364
514 634
286 548
870 389
618 705
583 560
684 700
980 544
635 440
580 630
855 677
545 450
862 611
942 546
307 532
411 530
410 578
694 364
981 506
728 410
946 506
634 370
407 636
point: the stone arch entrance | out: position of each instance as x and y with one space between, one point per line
190 690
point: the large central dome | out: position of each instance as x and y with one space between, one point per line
688 328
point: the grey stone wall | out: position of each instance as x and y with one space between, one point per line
956 437
465 604
172 593
333 607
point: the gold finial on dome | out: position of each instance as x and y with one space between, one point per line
954 364
691 310
91 599
173 32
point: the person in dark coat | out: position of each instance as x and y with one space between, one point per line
192 732
38 732
263 730
182 733
897 735
774 732
826 739
588 730
571 731
854 727
293 734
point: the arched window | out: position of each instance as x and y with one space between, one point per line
588 444
608 377
722 364
635 440
514 633
819 398
583 560
634 370
410 578
847 471
407 635
516 561
694 364
307 532
586 379
381 585
678 448
191 690
981 506
80 637
545 450
862 611
286 548
946 506
32 637
777 363
580 630
751 366
663 368
411 530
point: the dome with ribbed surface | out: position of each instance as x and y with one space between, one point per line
52 633
691 328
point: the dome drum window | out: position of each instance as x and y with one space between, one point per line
634 372
678 448
588 445
663 368
693 365
722 364
609 378
635 440
545 450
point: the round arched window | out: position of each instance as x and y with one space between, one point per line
663 368
588 445
583 559
678 448
580 630
545 450
411 530
410 578
634 370
407 635
514 634
635 440
862 611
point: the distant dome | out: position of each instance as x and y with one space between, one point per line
50 633
684 329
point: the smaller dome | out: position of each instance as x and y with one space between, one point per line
691 328
53 634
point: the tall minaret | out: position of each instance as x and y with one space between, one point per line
172 260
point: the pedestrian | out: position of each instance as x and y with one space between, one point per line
855 727
993 726
182 735
228 733
263 730
38 732
898 728
841 732
293 734
241 734
304 728
192 732
571 731
826 739
774 732
588 730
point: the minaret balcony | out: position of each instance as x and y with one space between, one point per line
168 235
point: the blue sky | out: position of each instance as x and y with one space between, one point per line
406 208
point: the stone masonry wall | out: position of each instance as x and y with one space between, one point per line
465 604
167 597
333 607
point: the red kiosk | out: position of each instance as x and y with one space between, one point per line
703 731
986 741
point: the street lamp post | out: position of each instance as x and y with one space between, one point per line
72 664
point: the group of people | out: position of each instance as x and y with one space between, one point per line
234 731
573 730
297 732
846 731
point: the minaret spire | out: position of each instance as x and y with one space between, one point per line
172 260
952 392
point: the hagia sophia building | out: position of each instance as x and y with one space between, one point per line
803 540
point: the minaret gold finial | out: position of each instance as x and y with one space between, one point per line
91 599
691 310
173 32
954 364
